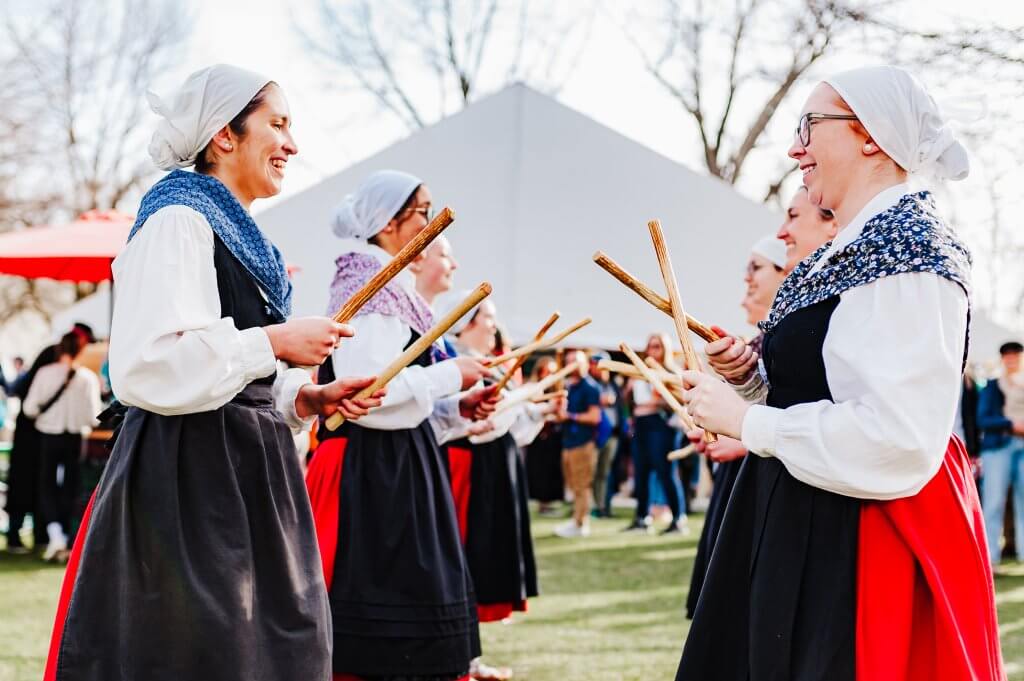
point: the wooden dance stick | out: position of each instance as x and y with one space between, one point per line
547 397
539 388
678 314
537 345
522 360
632 372
421 345
397 264
658 386
647 293
681 453
675 388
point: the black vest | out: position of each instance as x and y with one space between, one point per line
240 296
792 356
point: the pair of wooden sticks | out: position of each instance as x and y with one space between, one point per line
673 306
405 256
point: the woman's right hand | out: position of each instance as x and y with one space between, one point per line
306 341
472 370
732 359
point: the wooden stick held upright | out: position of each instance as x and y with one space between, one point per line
418 348
678 314
658 386
647 293
397 264
542 344
522 360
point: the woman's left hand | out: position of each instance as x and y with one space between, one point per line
714 405
337 396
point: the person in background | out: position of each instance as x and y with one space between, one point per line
654 439
23 473
805 228
545 480
764 275
1001 422
581 417
607 433
64 401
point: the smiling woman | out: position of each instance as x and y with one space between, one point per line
197 556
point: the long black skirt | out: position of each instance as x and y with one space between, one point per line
401 594
779 598
200 558
544 465
724 479
499 546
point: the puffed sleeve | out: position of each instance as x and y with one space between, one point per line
413 393
893 355
170 350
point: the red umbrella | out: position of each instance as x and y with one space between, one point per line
78 251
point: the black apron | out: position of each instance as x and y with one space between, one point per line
779 598
544 465
401 595
200 560
499 545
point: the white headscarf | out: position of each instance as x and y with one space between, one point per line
771 248
207 101
367 210
903 119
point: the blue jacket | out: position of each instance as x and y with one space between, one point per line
996 429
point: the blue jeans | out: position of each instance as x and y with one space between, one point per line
1001 468
654 440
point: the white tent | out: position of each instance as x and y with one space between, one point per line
536 189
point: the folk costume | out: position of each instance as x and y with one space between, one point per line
198 556
863 553
400 591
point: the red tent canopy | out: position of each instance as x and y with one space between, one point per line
79 251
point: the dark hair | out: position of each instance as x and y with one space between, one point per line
204 163
823 213
409 200
70 344
1011 348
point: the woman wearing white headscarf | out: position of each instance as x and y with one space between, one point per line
863 555
197 554
401 595
766 269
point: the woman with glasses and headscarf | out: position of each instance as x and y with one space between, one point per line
401 594
863 553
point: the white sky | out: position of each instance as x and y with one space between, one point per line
609 84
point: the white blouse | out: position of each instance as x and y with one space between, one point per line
171 352
74 411
415 393
893 354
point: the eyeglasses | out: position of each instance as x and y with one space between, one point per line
426 211
803 128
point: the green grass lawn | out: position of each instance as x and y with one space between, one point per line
611 609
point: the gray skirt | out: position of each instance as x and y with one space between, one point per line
200 559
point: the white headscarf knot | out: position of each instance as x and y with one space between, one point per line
904 120
204 104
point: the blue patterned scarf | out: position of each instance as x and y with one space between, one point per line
908 237
231 222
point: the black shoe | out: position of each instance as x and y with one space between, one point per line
638 526
677 527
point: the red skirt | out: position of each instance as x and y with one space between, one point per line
925 602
